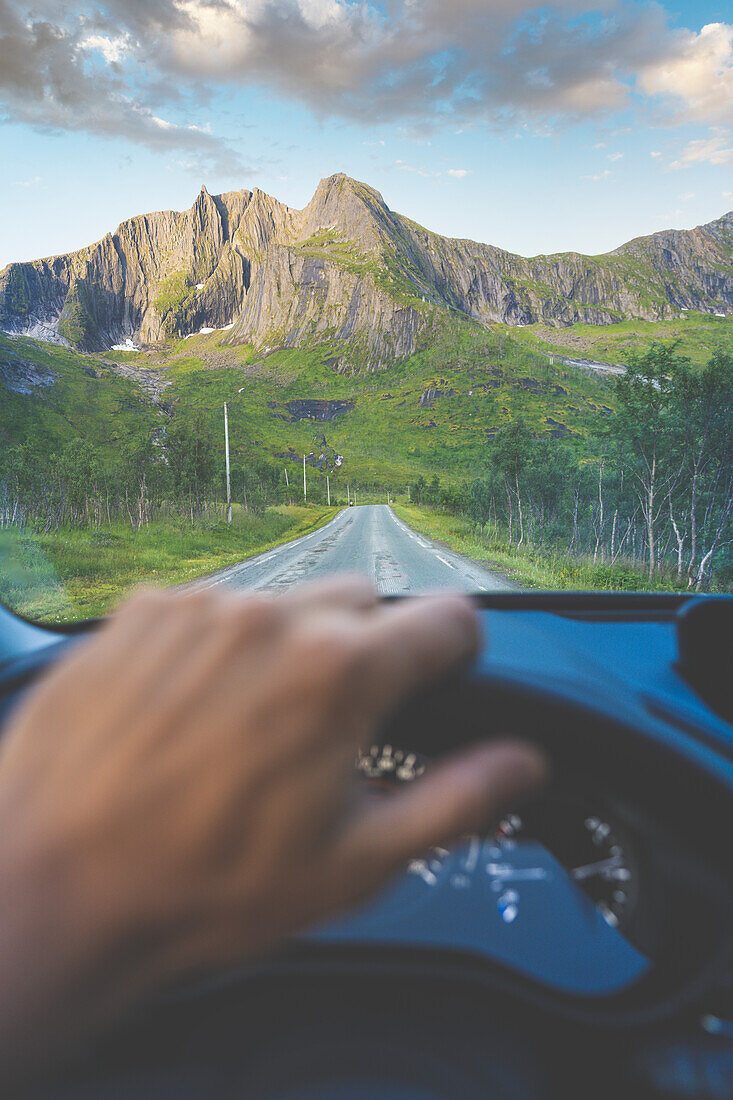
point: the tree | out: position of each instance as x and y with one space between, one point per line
704 412
192 459
646 425
512 451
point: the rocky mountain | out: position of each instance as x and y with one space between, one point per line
346 272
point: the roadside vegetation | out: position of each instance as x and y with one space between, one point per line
652 508
530 566
83 572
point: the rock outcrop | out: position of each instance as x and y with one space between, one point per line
22 376
347 272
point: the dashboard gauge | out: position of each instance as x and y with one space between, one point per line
590 849
431 867
386 766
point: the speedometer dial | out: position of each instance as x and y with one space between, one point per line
590 849
579 835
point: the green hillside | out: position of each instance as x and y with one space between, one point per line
68 395
432 413
699 336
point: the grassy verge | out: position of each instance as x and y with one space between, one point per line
80 574
532 567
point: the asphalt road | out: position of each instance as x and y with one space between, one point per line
371 540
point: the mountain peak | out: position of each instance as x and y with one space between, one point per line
346 265
358 211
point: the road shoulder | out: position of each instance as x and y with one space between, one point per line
467 548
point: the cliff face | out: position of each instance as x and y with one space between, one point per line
345 270
157 275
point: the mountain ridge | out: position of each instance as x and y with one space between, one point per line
344 271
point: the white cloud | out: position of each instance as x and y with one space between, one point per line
112 49
655 153
468 60
458 173
696 75
714 150
402 166
51 80
615 156
598 175
32 182
687 196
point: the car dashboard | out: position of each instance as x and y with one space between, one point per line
560 891
599 913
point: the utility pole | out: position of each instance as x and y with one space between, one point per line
287 481
348 494
305 486
328 490
226 451
408 492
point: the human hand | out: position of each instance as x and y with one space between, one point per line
180 793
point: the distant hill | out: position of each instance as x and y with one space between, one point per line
347 272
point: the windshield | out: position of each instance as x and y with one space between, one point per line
397 330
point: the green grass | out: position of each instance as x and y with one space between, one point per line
530 567
80 574
699 336
88 399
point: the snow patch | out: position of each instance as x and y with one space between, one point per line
204 331
199 286
127 346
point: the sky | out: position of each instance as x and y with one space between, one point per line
576 126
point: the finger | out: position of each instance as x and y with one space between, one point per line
463 795
411 643
346 591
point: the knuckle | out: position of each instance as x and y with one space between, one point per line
144 602
327 657
336 653
197 602
253 617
